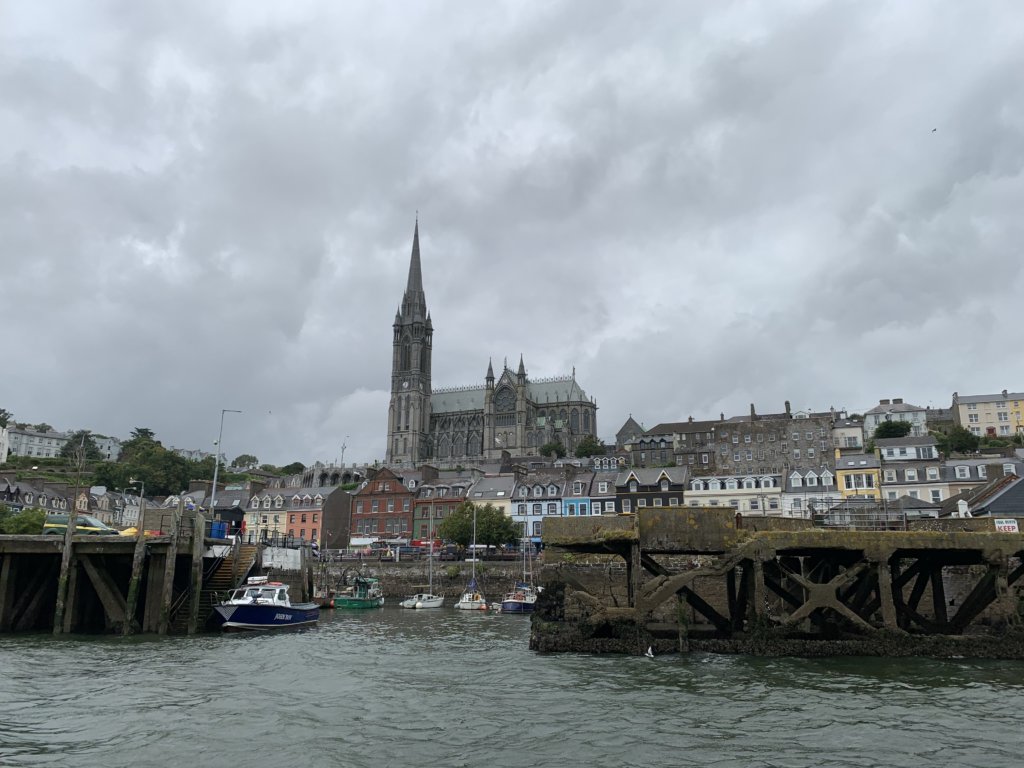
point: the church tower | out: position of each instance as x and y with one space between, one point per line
409 412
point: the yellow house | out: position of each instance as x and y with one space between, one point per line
999 415
858 475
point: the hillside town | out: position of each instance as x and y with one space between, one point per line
530 447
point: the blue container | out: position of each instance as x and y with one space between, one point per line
219 529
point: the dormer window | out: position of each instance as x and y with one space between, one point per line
278 502
811 479
296 500
266 502
633 486
577 488
796 480
767 482
442 492
715 485
696 485
730 484
748 483
255 503
552 490
663 485
524 491
307 500
826 478
318 500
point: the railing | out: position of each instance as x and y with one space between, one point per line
861 519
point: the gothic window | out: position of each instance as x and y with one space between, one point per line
424 360
586 422
561 415
505 400
405 363
406 407
460 446
574 420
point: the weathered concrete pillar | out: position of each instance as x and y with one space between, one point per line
885 593
138 559
198 547
65 565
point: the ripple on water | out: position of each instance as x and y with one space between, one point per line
393 687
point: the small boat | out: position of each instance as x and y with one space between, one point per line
523 596
426 599
366 592
423 600
520 600
261 604
472 599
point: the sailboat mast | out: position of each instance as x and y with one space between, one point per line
473 554
430 551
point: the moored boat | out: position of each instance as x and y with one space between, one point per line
472 599
260 604
423 600
366 593
520 600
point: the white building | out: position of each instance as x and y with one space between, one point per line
29 442
896 410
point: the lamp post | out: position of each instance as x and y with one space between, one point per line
216 460
142 494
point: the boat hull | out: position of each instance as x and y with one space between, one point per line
517 606
342 602
423 601
252 617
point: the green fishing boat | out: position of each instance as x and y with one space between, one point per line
364 593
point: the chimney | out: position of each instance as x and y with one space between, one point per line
883 402
897 401
787 408
1005 393
691 419
753 413
721 415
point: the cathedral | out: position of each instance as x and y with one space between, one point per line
456 425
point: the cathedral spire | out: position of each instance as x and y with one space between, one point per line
415 273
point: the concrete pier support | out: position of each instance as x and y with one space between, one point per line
138 558
198 540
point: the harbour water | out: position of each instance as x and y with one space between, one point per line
441 688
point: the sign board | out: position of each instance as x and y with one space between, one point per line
1006 525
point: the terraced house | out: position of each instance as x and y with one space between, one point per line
383 506
649 487
754 495
295 513
998 415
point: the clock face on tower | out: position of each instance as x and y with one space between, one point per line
405 384
505 401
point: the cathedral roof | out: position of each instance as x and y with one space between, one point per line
454 399
558 389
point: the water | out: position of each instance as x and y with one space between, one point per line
440 688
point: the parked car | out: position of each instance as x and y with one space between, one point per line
57 524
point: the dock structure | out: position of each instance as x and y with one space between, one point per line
679 579
158 584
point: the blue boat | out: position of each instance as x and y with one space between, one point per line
260 604
521 599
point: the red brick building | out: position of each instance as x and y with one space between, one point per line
383 507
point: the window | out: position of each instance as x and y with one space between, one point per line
583 509
746 438
664 485
522 509
314 518
626 506
577 488
552 508
734 503
673 502
771 437
963 472
911 475
890 475
983 472
914 494
375 506
291 518
936 495
731 484
796 454
796 436
972 418
633 487
391 504
755 505
657 502
264 519
303 518
1009 469
609 506
773 503
796 480
266 502
405 505
570 509
933 473
602 487
359 507
302 533
1003 415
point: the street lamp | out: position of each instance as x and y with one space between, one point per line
142 494
216 460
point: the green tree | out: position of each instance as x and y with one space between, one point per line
294 468
42 427
81 447
553 449
141 441
245 461
143 433
145 459
493 526
892 429
5 417
959 440
589 446
27 522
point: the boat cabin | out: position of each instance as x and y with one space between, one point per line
260 591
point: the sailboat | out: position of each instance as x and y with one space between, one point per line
426 599
523 596
472 599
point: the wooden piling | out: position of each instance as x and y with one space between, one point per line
71 604
8 577
198 546
65 566
138 559
167 595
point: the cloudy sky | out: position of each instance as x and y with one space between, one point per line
698 205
